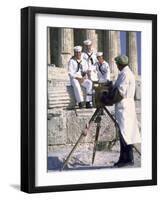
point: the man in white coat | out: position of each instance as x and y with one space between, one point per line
102 68
122 96
78 73
91 59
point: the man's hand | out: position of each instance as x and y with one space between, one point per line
80 79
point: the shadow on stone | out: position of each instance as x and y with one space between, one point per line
54 163
88 167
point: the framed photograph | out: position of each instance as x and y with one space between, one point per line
88 99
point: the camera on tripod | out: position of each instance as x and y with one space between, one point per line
101 91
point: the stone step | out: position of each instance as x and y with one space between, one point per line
59 99
58 83
68 106
89 112
54 102
58 95
85 110
66 101
62 94
60 90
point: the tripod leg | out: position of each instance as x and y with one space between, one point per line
68 157
86 130
112 118
136 149
96 140
84 133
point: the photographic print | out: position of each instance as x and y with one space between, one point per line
88 99
72 101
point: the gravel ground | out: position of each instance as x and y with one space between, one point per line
81 159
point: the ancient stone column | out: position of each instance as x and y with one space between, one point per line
111 50
91 35
131 48
49 53
65 46
118 43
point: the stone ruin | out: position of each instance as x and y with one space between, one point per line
65 121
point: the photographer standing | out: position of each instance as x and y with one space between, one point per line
78 73
122 95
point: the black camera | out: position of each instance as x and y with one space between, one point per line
102 93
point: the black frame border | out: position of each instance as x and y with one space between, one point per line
28 98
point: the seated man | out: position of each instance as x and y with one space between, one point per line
102 68
78 73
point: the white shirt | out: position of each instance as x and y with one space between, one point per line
103 71
90 58
74 70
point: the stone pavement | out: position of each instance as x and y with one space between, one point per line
81 159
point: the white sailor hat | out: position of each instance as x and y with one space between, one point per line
87 42
77 48
99 54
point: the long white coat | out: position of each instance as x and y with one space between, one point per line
125 109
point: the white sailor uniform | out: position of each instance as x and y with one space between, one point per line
77 69
91 60
103 71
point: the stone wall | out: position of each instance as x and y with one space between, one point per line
65 127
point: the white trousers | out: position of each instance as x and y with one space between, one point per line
87 84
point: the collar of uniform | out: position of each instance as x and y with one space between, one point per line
77 60
89 53
102 63
124 69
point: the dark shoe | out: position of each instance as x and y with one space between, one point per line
88 105
123 163
118 162
81 105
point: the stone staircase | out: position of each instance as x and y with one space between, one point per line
61 97
60 92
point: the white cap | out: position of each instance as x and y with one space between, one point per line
87 42
77 48
99 54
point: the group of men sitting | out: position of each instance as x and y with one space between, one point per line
84 68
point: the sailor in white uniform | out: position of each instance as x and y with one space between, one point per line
91 59
102 68
78 73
